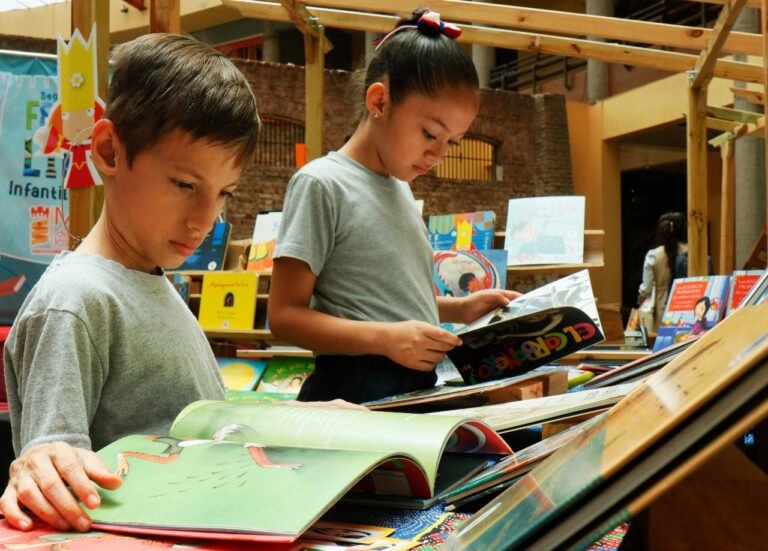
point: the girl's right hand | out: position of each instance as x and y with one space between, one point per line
38 481
417 345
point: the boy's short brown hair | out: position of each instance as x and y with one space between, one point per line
164 82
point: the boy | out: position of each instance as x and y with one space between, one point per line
104 346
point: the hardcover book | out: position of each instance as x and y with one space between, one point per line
665 428
460 273
264 240
545 230
228 300
202 478
535 329
212 251
694 306
462 231
285 374
240 373
742 282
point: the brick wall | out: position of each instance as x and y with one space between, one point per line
531 132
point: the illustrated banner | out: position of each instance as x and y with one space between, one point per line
33 205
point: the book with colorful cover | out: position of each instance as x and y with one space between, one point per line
695 305
742 282
535 329
264 240
666 428
285 374
228 300
201 479
462 231
545 230
241 373
460 273
212 251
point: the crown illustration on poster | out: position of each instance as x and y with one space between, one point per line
77 71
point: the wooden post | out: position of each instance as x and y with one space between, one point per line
764 28
727 208
314 53
85 203
697 181
164 16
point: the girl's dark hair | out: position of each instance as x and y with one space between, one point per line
705 300
420 60
164 82
672 230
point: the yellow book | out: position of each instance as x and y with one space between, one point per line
228 300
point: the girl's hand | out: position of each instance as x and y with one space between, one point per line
39 480
481 302
417 345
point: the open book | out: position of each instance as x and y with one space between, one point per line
267 472
535 329
659 433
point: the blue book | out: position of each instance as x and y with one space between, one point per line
212 251
463 231
460 273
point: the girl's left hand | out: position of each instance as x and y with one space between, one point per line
481 302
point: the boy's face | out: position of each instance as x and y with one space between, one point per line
416 134
161 208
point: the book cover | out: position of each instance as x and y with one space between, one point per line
181 283
228 300
462 231
545 230
202 478
264 240
697 404
537 328
285 374
742 282
694 306
212 251
460 273
240 373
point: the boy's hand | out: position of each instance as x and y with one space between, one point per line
417 345
38 481
481 302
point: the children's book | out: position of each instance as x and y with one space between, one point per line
240 373
538 328
264 240
665 428
460 273
212 251
228 300
742 282
545 230
544 381
266 472
517 415
181 282
286 374
462 231
694 306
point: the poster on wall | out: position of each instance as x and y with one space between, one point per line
33 205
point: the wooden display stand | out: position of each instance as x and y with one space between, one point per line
593 257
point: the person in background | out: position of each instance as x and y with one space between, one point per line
352 277
659 268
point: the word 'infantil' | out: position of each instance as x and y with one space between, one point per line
54 192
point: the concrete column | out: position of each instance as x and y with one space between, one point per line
598 82
369 38
749 158
271 49
484 58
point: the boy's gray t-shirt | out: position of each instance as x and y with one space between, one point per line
99 351
363 237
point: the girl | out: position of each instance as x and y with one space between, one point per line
352 278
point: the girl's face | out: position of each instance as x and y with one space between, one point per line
700 310
413 136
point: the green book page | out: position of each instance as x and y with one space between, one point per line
225 486
420 436
667 399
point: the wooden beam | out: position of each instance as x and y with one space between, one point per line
705 65
721 125
764 29
727 208
306 22
85 203
697 182
737 115
750 3
165 16
314 82
570 47
756 129
752 96
557 22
